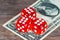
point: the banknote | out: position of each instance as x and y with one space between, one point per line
47 10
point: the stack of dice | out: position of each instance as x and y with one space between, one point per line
28 21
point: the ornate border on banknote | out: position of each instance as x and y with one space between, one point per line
53 24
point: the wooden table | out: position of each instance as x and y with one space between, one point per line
10 8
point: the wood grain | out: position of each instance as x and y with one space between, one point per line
10 8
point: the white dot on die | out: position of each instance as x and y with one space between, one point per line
22 26
18 29
29 16
26 18
41 27
45 28
18 25
22 30
35 27
33 14
42 20
41 31
45 25
29 26
35 30
20 22
28 7
23 23
23 17
35 22
29 12
30 23
38 24
33 18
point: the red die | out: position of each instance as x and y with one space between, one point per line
39 26
22 24
29 12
